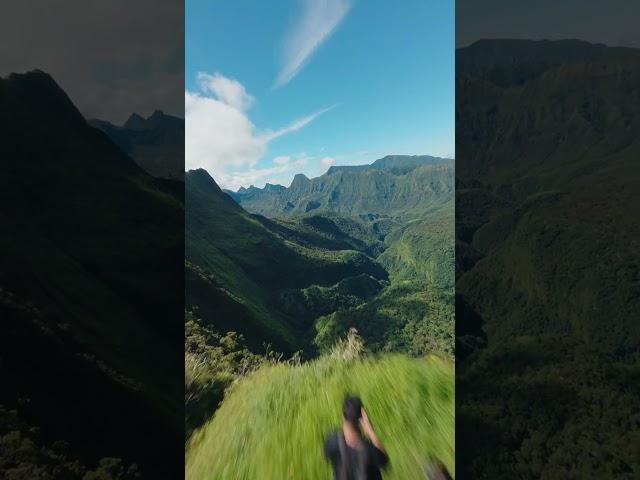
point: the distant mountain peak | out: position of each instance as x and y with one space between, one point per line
269 187
298 180
135 122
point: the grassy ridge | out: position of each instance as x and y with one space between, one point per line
273 422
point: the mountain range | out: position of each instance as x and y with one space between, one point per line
398 185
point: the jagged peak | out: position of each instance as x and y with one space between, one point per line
270 187
135 122
299 179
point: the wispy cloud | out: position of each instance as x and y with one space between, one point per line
296 125
319 18
219 134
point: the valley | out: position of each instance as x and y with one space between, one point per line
352 263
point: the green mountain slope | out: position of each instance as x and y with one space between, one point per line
423 249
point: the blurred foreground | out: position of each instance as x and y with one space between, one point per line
272 423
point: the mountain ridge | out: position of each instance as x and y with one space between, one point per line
389 185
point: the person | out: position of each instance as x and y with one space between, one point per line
355 452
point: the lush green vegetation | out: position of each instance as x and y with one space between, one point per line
273 422
411 317
423 249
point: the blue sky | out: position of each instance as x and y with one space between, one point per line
293 86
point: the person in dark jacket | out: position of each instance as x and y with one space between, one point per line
355 451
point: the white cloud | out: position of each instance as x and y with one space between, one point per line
227 90
218 135
327 161
318 20
218 132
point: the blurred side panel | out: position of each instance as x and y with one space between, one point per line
92 239
547 257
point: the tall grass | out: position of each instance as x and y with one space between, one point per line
272 424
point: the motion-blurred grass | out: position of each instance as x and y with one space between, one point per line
272 423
